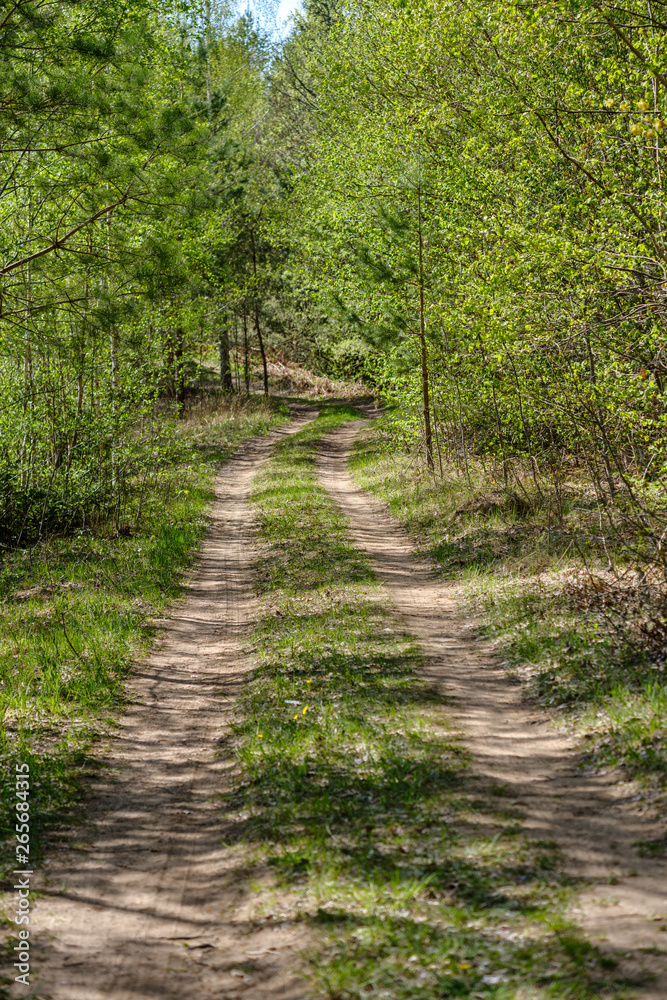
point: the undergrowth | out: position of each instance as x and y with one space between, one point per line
584 632
355 812
76 611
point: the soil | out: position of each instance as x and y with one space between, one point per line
149 903
591 816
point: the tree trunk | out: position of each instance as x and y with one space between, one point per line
261 351
113 356
180 373
257 329
428 436
225 364
168 344
246 360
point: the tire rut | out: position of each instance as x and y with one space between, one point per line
590 816
152 906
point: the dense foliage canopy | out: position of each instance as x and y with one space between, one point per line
125 199
478 187
461 201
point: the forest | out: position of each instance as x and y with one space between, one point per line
388 194
447 218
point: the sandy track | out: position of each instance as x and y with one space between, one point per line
589 815
152 906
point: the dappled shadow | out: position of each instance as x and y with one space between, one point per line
142 901
400 811
367 785
355 785
524 781
481 545
393 814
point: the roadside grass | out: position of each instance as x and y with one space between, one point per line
586 645
77 610
355 812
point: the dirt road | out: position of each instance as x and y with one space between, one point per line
590 816
153 906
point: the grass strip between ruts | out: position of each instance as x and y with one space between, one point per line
356 796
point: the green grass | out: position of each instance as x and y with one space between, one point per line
76 611
355 811
587 646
